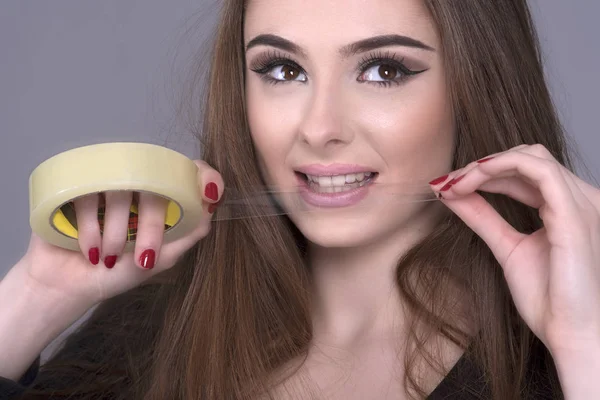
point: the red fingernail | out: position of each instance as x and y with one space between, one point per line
147 259
94 255
439 180
212 191
446 187
484 160
110 261
456 180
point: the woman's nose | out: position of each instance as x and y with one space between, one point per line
324 123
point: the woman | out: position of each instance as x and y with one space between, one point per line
490 292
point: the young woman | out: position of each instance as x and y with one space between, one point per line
492 291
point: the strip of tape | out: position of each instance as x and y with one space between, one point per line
136 167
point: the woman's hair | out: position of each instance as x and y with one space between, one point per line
235 310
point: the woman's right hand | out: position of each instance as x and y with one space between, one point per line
101 270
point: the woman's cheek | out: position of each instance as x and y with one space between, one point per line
412 132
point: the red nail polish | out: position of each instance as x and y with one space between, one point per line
147 259
484 160
94 255
212 191
110 261
439 180
456 180
446 187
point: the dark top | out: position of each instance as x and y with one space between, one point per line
11 390
449 389
463 382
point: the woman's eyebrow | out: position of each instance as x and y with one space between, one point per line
376 42
275 41
360 46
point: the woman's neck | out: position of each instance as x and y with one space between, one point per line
355 294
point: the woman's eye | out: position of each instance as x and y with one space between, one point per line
286 72
381 73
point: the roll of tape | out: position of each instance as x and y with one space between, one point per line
136 167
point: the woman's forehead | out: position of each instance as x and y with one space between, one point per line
339 20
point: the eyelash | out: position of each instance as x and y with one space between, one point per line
267 61
389 59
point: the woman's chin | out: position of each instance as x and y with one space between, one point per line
339 228
339 231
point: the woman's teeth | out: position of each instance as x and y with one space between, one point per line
338 183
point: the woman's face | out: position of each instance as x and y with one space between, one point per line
347 99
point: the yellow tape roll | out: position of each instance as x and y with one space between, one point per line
136 167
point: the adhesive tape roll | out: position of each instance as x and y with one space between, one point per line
136 167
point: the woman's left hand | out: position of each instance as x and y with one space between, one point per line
554 273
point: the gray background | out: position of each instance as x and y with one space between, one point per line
76 72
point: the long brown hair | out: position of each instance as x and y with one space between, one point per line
236 308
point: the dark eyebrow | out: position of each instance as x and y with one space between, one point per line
358 47
382 41
275 41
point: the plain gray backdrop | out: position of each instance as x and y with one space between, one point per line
75 72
